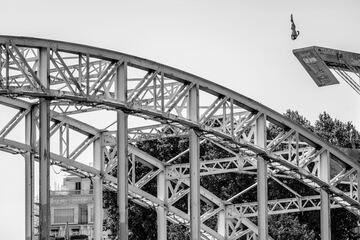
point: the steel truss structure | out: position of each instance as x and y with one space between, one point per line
48 83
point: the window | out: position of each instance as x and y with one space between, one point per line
83 214
75 231
64 215
77 187
91 188
54 232
92 214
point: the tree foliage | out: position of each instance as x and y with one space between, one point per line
288 226
336 132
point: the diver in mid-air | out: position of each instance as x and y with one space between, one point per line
294 33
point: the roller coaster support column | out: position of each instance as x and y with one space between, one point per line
262 189
194 166
325 216
44 148
98 188
161 210
30 139
122 153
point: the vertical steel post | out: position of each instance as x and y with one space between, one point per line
194 165
262 188
188 203
122 152
358 185
221 223
325 217
44 148
98 161
161 210
30 139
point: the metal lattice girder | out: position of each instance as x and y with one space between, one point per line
135 194
278 206
84 78
321 63
242 228
249 209
141 154
211 167
83 170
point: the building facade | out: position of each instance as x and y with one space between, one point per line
72 213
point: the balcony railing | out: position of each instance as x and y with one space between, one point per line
71 192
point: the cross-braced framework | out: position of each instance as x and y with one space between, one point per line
48 83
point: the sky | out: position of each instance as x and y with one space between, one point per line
242 45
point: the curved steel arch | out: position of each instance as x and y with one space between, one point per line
75 78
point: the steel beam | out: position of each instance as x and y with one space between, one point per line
194 165
122 152
325 217
262 189
98 163
162 210
44 148
221 224
171 73
358 185
30 138
279 206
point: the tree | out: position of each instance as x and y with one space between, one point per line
141 220
296 117
339 134
336 132
288 226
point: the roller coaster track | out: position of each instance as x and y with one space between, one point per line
74 79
